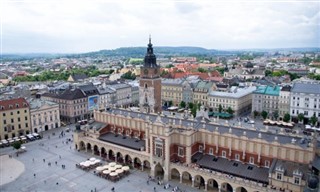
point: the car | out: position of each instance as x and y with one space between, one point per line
251 122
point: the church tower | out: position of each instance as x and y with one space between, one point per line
150 83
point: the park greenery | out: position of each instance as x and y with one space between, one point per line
91 71
280 73
129 75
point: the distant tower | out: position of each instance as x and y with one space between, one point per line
150 83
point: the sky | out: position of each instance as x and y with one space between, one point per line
65 26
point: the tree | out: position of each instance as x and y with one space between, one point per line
313 120
16 145
275 115
194 110
220 108
230 111
300 116
255 113
286 117
169 66
264 114
201 70
182 104
268 73
170 103
190 105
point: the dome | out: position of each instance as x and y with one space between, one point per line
248 65
313 182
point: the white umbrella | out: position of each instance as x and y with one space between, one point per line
112 174
119 171
125 168
106 167
112 168
86 164
23 147
92 159
99 168
112 164
92 163
82 163
106 172
118 166
97 161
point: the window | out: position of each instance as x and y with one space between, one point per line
19 126
211 151
267 163
12 121
11 113
12 128
305 113
26 118
18 119
297 180
279 176
27 125
237 157
18 112
224 154
4 121
180 151
251 160
4 114
200 149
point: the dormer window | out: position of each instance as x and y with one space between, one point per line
279 172
25 104
2 107
297 175
17 105
10 106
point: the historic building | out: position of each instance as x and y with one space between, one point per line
172 90
150 83
305 99
284 101
193 151
14 118
44 115
266 98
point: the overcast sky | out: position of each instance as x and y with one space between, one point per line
56 26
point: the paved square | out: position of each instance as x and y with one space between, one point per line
54 178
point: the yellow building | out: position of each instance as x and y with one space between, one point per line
172 90
14 118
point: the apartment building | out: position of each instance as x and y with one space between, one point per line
123 94
14 118
172 90
305 99
266 98
201 91
284 101
238 99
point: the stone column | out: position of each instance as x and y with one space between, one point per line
205 186
142 166
188 155
133 163
181 177
107 156
192 181
219 188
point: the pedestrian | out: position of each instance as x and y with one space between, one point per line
154 189
147 182
59 156
34 175
95 189
56 162
112 189
44 160
70 147
57 183
32 159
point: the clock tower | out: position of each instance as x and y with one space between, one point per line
150 83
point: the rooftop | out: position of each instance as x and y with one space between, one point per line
235 168
13 104
38 103
124 141
306 87
221 129
234 92
268 90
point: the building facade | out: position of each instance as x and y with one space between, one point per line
266 98
123 94
73 104
44 115
150 81
284 101
238 99
14 118
305 99
172 90
201 91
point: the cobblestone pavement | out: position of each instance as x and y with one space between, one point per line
39 176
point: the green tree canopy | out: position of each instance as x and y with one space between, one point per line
183 104
230 111
16 145
264 114
300 116
313 120
286 117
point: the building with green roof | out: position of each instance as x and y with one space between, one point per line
266 98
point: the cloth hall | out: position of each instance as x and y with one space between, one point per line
196 151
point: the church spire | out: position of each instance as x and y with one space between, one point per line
150 59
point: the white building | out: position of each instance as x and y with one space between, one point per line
284 101
305 99
44 114
239 99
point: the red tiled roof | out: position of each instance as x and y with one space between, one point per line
13 104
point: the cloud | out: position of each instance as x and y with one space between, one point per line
81 26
